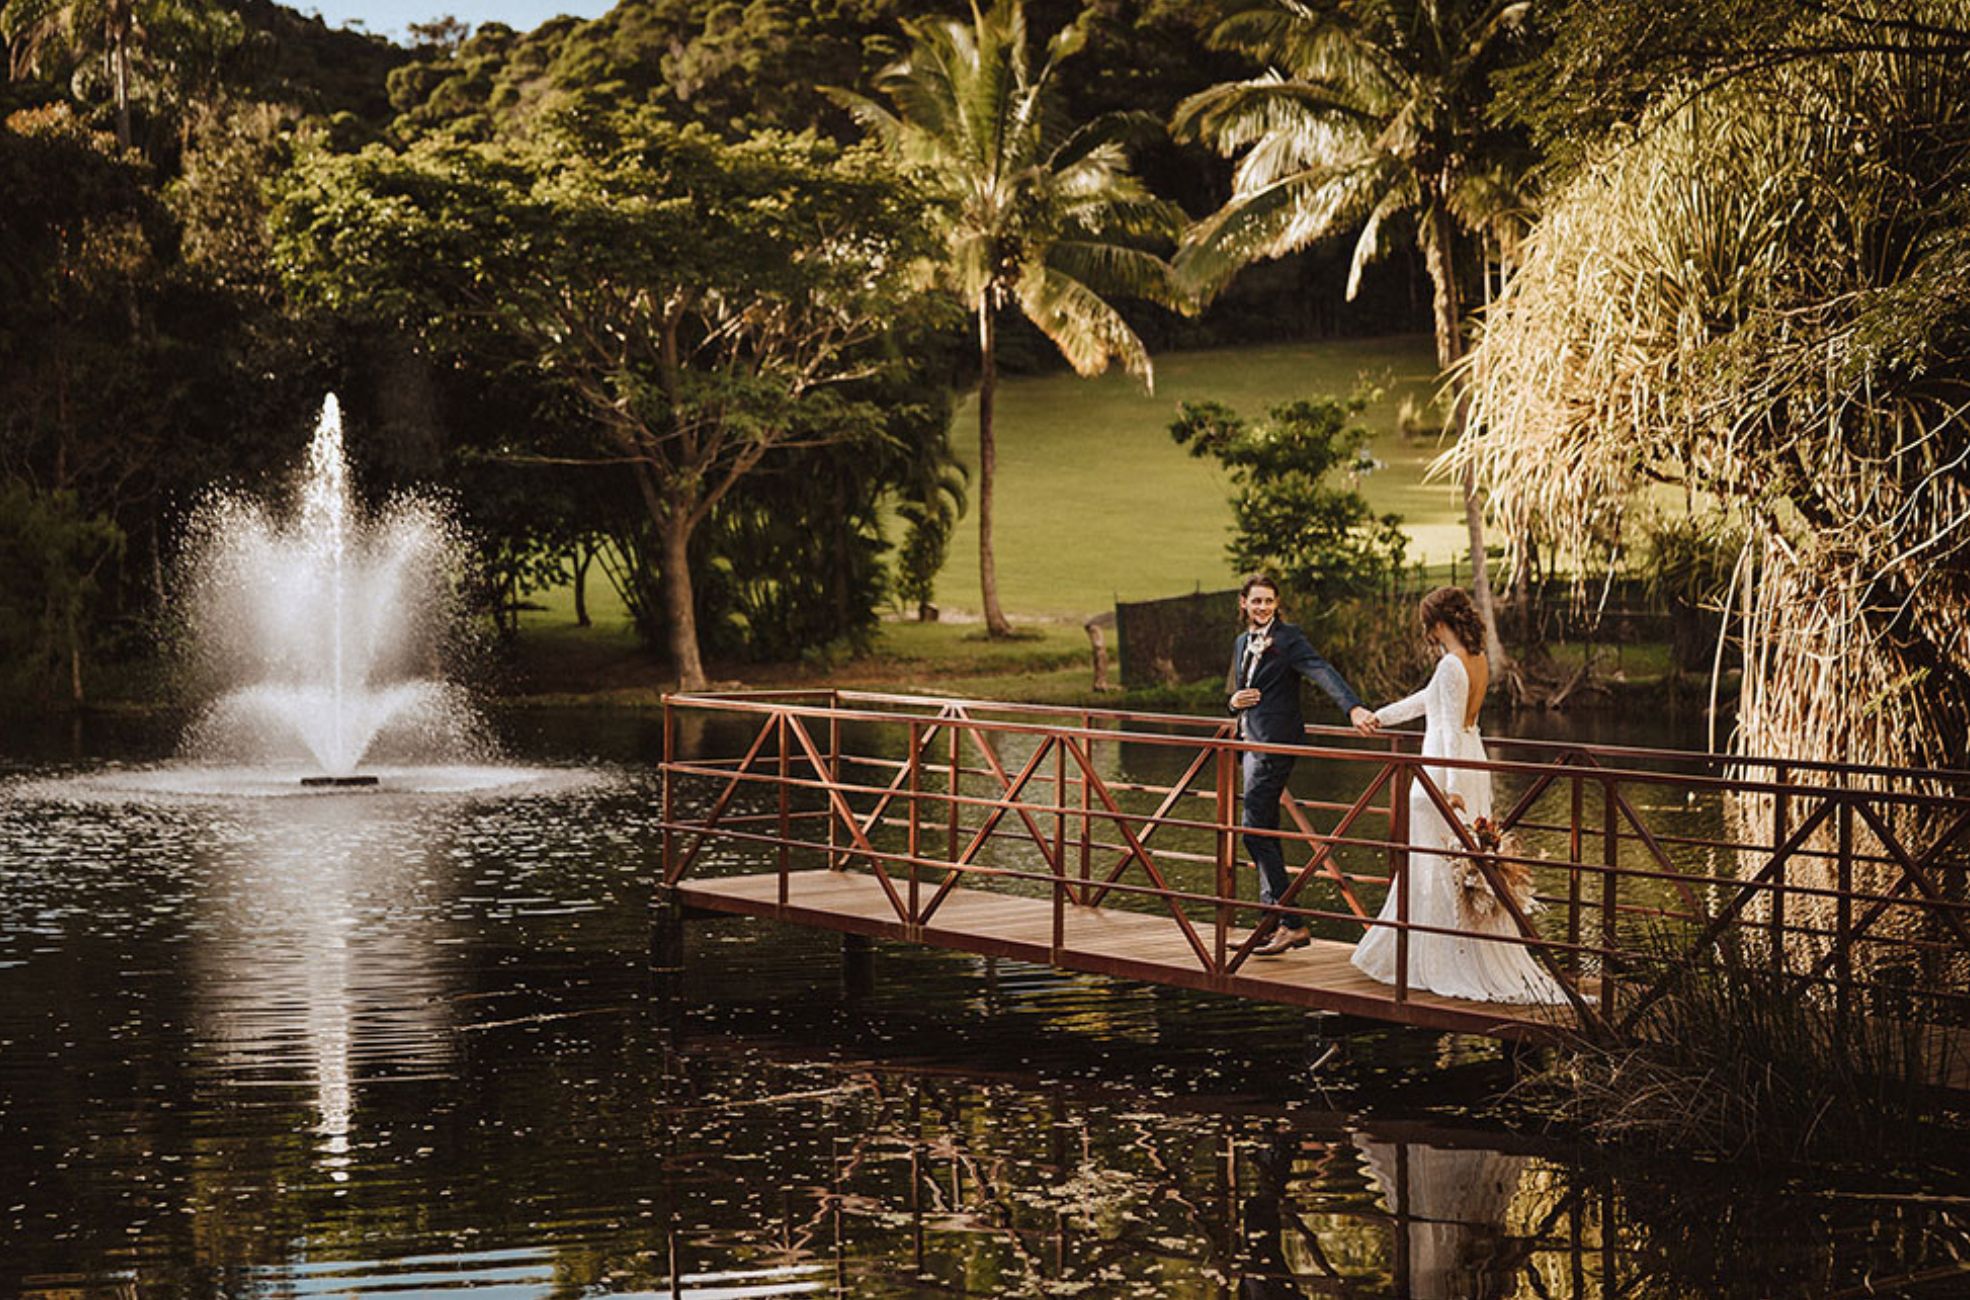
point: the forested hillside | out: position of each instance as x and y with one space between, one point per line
211 217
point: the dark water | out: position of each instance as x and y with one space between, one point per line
401 1045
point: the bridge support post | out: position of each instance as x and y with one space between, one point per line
858 965
667 953
1324 1035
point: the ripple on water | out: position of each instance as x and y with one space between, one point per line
193 781
407 1043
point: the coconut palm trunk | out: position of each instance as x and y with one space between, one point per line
988 464
1439 252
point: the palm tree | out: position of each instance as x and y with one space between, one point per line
38 32
37 29
1033 211
1369 112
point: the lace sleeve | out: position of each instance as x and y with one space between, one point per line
1406 709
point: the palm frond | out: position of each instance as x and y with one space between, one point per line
1114 269
1122 128
1368 245
1279 219
1234 114
1089 333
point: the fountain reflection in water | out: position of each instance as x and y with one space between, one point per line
320 633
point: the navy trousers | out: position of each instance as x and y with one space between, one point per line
1265 781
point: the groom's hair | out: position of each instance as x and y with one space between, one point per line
1258 580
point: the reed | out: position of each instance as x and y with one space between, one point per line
1737 1061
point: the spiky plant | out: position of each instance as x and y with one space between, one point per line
1036 212
1759 297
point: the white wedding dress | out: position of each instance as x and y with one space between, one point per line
1457 967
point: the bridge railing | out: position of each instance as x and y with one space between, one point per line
1849 878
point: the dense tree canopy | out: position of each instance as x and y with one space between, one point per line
707 305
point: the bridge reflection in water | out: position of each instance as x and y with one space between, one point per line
1108 842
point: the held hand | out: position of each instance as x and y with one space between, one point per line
1364 720
1245 699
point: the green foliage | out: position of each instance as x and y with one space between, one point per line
931 513
1029 209
704 305
52 555
691 61
157 53
1297 510
1369 114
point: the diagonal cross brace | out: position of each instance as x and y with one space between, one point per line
1911 875
1323 856
675 871
840 861
1478 856
1140 853
984 832
847 815
1010 791
1177 790
1320 856
1781 855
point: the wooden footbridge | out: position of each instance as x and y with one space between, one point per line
1108 842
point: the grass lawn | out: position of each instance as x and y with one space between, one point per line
558 661
1095 503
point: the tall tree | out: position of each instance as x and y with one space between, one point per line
709 306
42 33
1370 112
1030 210
1758 296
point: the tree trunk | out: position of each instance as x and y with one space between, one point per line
156 571
988 457
584 553
1438 250
120 75
74 659
680 602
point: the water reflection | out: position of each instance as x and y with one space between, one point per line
1449 1208
400 1047
323 954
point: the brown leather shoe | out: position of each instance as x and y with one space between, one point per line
1282 940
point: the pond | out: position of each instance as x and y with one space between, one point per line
398 1043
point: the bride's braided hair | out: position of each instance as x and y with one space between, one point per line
1454 608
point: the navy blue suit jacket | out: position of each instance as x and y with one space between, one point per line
1276 718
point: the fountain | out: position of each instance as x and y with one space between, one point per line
318 632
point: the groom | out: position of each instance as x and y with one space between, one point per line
1267 664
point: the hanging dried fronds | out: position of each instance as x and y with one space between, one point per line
1760 298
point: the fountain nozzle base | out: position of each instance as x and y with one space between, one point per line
337 781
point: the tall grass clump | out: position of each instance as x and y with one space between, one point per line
1738 1061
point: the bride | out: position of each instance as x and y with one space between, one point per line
1479 969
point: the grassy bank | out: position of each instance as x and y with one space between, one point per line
1096 504
555 662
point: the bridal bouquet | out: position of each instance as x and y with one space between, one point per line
1474 894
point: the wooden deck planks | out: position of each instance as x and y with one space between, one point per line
1134 945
